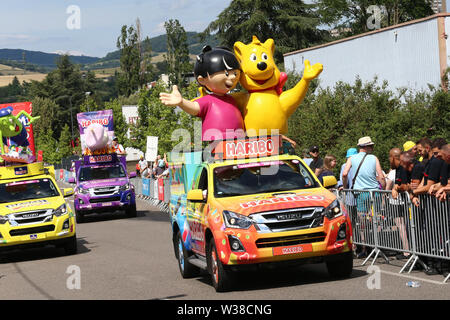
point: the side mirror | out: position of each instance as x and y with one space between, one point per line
329 181
67 192
71 180
132 174
195 195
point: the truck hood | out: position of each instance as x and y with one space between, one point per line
247 205
103 183
30 205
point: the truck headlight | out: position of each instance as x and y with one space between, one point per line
82 190
236 220
3 219
333 210
125 187
60 211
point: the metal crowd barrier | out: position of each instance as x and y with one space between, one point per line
381 222
155 191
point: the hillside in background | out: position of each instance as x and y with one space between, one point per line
41 63
38 58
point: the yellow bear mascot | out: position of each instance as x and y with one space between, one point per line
265 106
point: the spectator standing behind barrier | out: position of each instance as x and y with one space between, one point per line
317 161
432 175
443 176
442 192
350 152
143 167
329 163
394 162
367 175
433 170
349 200
398 174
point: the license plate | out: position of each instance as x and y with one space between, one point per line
107 204
279 251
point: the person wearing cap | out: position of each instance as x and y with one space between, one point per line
408 145
350 152
370 175
367 175
117 147
317 162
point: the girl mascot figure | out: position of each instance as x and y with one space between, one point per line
218 71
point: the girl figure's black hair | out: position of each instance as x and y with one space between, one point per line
215 60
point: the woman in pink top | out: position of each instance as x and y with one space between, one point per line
218 71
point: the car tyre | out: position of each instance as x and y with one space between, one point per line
79 216
131 211
187 270
341 268
220 276
71 245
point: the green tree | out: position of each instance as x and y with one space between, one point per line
353 15
66 87
128 78
49 146
64 143
177 56
335 118
292 24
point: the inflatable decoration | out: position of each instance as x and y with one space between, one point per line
218 71
265 106
14 144
96 132
96 137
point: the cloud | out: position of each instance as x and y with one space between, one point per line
12 37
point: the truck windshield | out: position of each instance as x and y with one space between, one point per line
98 173
261 177
27 190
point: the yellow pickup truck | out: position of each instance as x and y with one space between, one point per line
33 211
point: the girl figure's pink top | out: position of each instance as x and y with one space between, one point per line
220 118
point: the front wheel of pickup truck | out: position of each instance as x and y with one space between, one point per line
79 216
71 247
221 278
187 270
131 211
341 267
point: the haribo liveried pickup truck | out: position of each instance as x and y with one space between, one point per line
103 185
253 208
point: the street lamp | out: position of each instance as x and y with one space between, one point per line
87 96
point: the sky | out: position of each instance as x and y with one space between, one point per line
91 27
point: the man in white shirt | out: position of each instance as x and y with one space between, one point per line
117 147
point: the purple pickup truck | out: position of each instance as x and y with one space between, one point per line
103 186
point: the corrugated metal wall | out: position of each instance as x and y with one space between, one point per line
407 56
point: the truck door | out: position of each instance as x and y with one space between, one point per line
197 217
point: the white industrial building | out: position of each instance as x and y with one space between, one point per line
412 54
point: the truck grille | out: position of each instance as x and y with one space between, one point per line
29 217
288 220
25 231
106 191
105 199
290 240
